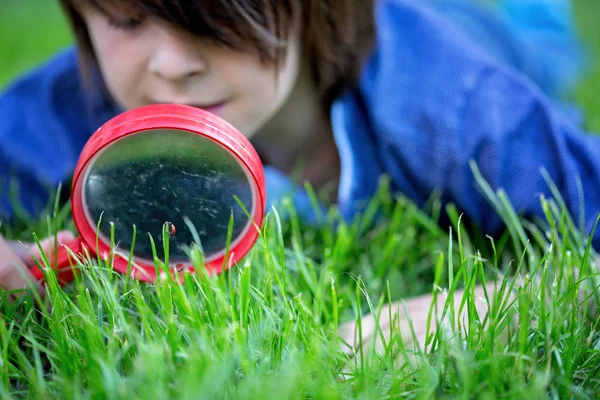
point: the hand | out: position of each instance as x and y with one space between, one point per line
417 309
15 260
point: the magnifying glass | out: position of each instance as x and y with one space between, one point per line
164 164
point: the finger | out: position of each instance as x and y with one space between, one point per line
409 317
26 249
20 248
13 272
47 244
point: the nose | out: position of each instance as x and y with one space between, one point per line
177 57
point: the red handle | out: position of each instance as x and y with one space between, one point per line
61 262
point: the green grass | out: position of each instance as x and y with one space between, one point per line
269 326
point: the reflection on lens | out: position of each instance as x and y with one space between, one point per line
149 178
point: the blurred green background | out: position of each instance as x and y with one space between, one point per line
32 30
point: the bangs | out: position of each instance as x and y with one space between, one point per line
238 24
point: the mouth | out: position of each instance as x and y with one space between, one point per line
213 108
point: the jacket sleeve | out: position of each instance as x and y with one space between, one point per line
436 101
512 136
44 124
22 153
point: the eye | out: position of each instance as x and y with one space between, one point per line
128 24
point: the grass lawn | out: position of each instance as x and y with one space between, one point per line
269 327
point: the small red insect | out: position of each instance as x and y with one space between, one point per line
171 228
179 267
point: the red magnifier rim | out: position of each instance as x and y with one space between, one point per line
178 117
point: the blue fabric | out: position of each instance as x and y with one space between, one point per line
45 120
434 101
535 37
449 81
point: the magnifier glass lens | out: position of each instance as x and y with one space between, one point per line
149 178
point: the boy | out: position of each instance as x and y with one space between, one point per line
354 89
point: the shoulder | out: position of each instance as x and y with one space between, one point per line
43 126
55 91
33 112
46 111
33 102
33 87
46 117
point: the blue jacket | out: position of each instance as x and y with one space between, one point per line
448 82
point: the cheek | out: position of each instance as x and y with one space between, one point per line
261 97
260 90
121 63
276 88
264 88
276 83
261 85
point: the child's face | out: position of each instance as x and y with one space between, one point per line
153 63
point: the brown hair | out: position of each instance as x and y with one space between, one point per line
337 35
